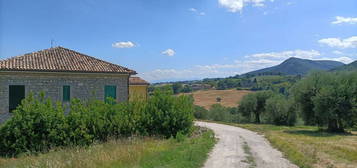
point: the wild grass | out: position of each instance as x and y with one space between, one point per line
309 148
144 152
249 156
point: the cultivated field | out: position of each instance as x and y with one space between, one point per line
229 98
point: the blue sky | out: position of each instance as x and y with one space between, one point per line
167 40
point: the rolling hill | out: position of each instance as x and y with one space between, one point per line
348 67
297 66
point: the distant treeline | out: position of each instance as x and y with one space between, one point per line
325 99
276 82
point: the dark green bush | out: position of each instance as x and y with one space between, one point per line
166 115
200 112
37 125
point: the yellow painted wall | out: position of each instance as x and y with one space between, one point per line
138 92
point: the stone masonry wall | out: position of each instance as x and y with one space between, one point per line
82 86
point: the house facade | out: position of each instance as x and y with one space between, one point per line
138 88
62 74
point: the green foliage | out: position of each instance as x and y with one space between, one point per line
217 112
166 115
280 110
335 101
166 88
328 99
177 88
187 89
268 107
200 112
180 137
303 91
253 105
228 83
38 125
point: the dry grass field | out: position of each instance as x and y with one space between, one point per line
229 98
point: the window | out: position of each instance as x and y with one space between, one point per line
66 93
110 91
16 94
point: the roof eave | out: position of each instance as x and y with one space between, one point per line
64 71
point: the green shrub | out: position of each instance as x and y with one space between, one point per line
200 112
38 125
166 115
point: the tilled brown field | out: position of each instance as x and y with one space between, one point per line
229 98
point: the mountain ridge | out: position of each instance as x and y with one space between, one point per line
348 67
297 66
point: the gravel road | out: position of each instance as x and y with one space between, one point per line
241 148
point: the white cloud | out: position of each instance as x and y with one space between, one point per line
336 52
305 54
350 42
349 20
123 44
169 52
194 10
345 60
237 5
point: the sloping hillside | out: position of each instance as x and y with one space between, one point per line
349 67
297 66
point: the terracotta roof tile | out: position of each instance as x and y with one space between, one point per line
60 59
137 81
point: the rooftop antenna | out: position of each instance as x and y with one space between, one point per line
52 41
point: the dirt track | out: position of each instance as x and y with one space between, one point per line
241 148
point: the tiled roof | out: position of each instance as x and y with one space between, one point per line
60 59
137 81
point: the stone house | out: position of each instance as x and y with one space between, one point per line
62 74
138 88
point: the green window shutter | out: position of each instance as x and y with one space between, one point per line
66 93
110 91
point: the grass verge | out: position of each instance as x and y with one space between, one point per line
134 152
249 158
307 147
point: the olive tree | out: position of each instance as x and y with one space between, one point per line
253 105
280 110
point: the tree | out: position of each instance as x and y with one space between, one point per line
218 112
247 105
280 110
187 89
253 104
261 98
218 99
177 88
328 99
303 92
335 101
